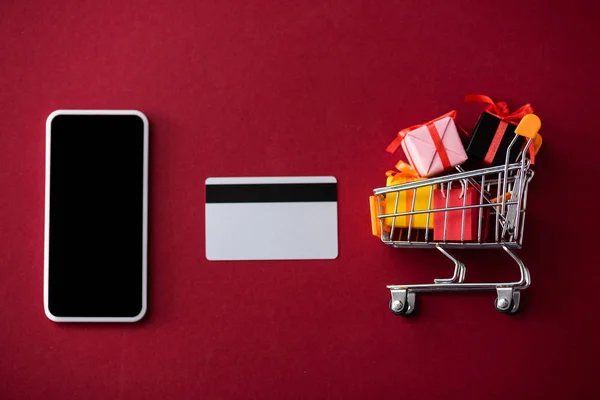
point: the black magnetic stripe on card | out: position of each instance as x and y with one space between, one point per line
271 193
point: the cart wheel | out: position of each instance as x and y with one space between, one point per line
513 310
405 309
516 301
397 307
411 298
505 306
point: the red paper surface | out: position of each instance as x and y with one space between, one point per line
303 88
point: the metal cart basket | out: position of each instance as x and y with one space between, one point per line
498 214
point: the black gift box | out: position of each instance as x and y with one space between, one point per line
482 138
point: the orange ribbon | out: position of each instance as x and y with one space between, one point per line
405 170
408 172
501 110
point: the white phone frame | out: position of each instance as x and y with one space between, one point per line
144 223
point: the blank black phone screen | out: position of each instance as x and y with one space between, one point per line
96 216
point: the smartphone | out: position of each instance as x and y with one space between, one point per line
96 217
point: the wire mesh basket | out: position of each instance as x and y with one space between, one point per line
480 209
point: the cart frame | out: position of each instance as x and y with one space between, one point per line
508 183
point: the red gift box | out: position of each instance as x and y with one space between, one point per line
454 223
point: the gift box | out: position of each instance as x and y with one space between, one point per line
405 202
433 147
454 222
375 224
490 140
494 132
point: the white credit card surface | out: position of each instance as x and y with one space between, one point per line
271 218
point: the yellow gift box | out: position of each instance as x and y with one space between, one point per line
421 199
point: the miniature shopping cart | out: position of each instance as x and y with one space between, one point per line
480 209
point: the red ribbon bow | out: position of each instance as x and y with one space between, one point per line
392 147
500 109
435 137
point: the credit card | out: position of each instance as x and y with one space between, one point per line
271 218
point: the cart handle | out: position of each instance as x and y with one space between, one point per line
529 126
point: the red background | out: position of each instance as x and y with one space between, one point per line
303 88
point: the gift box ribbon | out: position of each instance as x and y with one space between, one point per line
435 137
501 110
405 170
408 172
